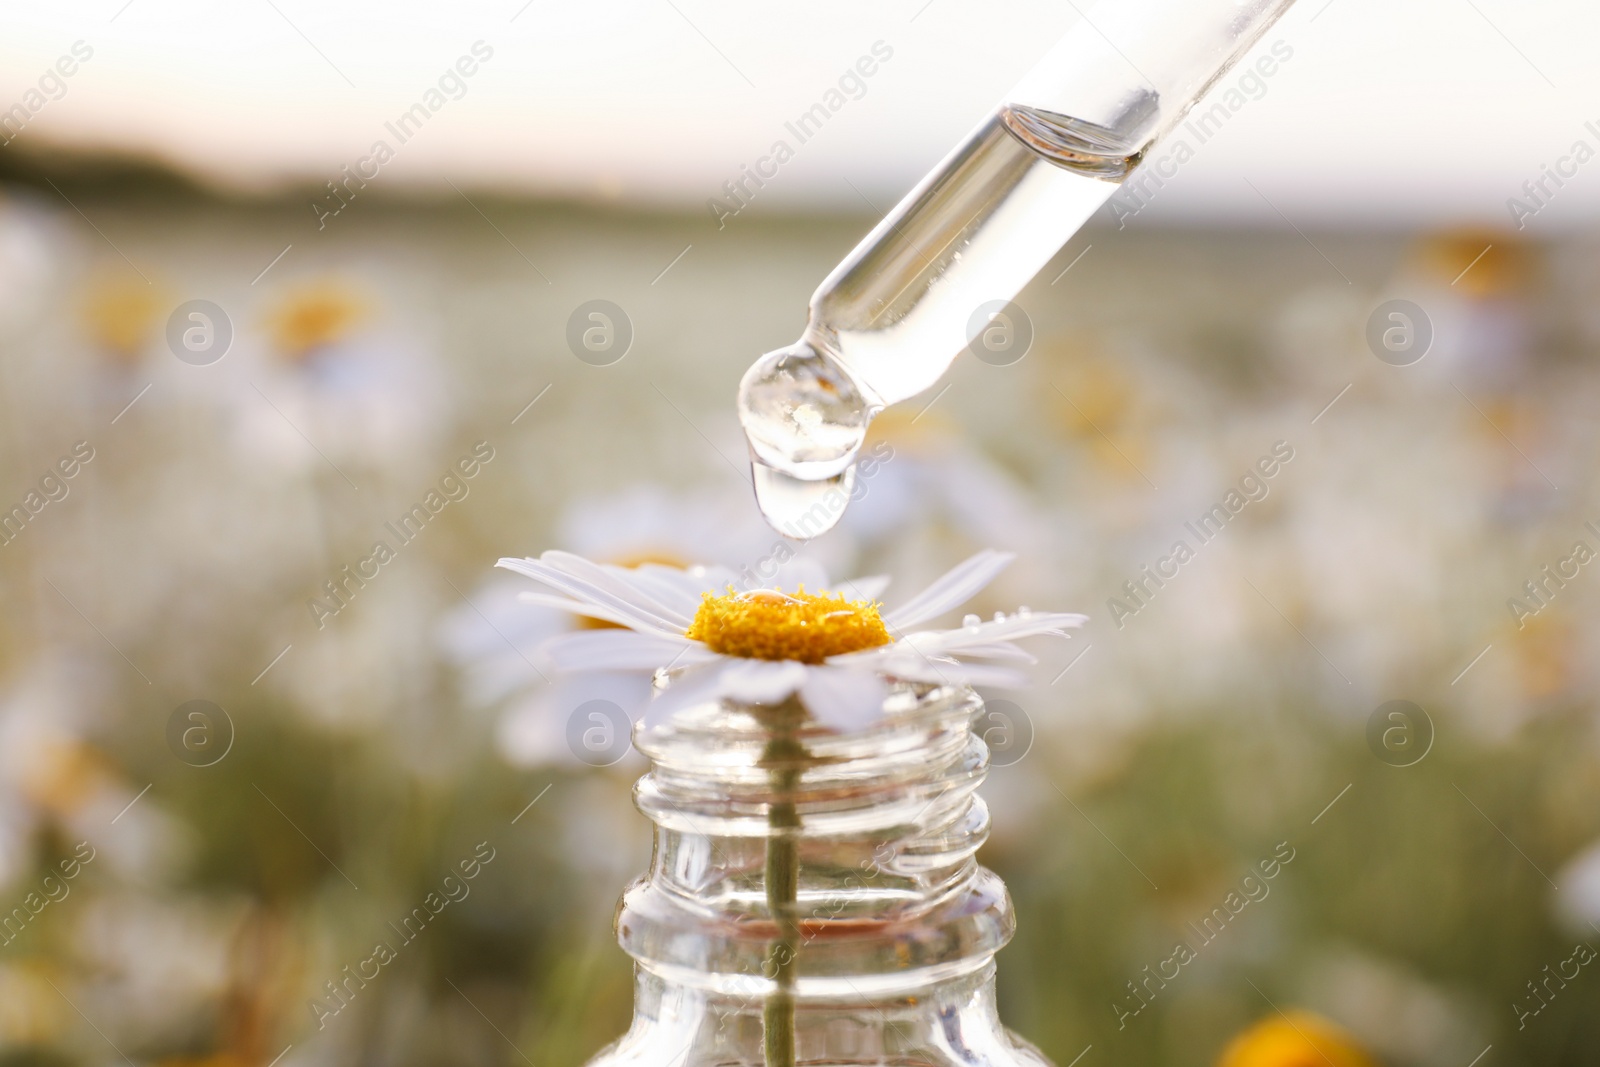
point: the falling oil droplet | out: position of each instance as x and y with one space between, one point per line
797 507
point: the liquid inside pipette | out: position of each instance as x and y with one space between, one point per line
888 322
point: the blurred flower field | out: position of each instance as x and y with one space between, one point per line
373 721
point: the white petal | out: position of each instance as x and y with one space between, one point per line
627 606
762 681
492 639
999 650
619 650
950 672
534 731
573 607
988 674
620 581
1034 624
493 618
905 661
843 698
870 587
676 588
955 588
698 685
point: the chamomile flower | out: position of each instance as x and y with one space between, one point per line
357 376
839 652
494 638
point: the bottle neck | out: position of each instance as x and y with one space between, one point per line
952 1022
874 834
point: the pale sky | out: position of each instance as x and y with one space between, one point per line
1423 111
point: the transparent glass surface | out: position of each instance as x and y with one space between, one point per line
889 320
893 927
901 306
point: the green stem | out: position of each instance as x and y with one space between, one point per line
784 757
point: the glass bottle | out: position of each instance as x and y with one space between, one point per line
814 898
936 275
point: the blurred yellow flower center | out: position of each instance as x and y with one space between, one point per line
769 624
1294 1039
122 317
311 319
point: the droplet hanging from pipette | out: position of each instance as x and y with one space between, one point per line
805 419
799 507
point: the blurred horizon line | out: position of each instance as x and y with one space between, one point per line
53 168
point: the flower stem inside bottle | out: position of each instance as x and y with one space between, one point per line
784 757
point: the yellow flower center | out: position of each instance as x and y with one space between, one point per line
769 624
